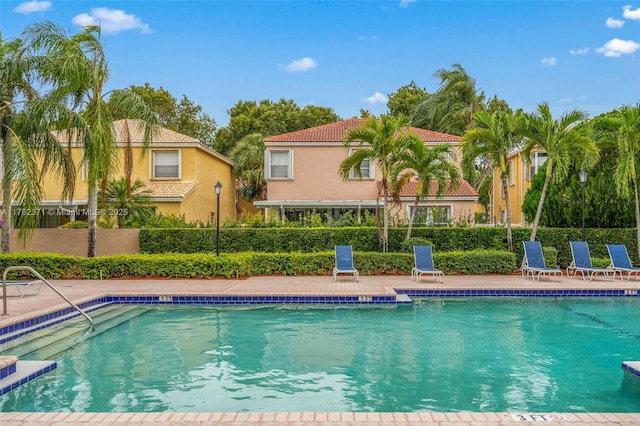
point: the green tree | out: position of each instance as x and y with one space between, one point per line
427 165
248 159
452 107
25 138
564 142
269 118
405 100
624 125
80 68
184 117
493 137
130 205
377 141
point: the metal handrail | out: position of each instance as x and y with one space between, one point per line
41 278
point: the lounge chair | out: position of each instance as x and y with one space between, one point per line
620 262
344 262
423 261
582 262
22 287
533 263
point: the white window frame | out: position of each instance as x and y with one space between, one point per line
152 159
448 208
372 171
535 163
289 155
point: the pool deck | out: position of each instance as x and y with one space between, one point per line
78 291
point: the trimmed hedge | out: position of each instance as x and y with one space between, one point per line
201 265
365 239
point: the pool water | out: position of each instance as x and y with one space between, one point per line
527 355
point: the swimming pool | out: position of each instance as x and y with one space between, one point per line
474 354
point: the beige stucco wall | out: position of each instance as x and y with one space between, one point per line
315 177
460 210
517 190
74 242
197 164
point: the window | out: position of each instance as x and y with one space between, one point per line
280 164
537 160
366 170
166 164
431 215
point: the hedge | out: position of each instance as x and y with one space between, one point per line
365 239
237 265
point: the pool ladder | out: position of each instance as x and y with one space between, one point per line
41 278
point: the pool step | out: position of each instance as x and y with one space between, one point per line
47 342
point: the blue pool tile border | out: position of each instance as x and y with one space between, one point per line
629 366
13 331
438 292
28 378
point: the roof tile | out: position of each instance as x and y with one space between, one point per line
335 132
170 188
410 189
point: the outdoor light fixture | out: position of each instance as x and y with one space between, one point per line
218 188
583 181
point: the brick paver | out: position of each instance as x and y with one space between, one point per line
82 290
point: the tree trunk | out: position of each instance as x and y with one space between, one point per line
93 210
385 236
635 199
505 188
7 189
412 217
534 228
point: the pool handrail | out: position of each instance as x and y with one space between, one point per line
41 278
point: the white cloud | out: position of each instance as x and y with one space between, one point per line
631 13
300 65
576 52
405 3
377 98
111 21
614 23
548 62
33 6
615 48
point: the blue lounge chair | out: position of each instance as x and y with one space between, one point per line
344 262
582 262
620 262
423 261
533 263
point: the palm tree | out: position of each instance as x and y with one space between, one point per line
376 140
563 141
493 137
452 107
26 141
624 126
427 165
128 204
248 159
81 73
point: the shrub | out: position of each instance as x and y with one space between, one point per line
78 224
407 245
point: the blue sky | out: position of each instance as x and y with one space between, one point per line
349 55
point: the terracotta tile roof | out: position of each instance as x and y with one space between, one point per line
410 190
133 130
335 132
170 189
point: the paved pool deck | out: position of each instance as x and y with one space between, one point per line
19 309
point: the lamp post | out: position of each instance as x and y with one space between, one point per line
218 188
583 180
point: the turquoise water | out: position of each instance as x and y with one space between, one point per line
527 355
